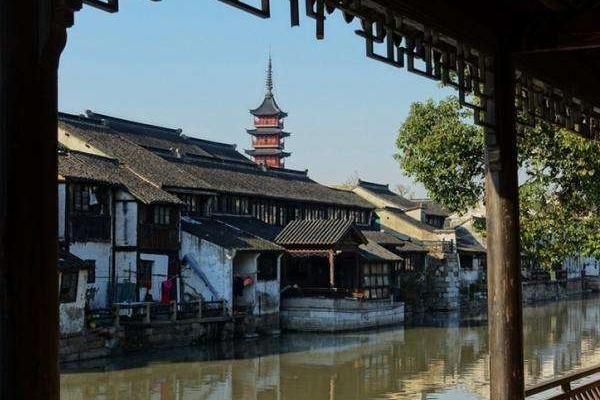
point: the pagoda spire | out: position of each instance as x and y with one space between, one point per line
269 81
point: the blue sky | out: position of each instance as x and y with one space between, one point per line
200 65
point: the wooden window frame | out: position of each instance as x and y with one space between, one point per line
376 280
161 215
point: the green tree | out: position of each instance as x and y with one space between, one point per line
438 149
560 195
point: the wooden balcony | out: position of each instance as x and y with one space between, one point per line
158 237
580 385
90 228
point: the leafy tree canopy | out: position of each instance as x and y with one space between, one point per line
560 192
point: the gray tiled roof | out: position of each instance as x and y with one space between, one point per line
317 232
382 237
251 224
253 181
384 193
374 252
268 107
267 152
223 174
83 166
67 261
144 162
226 236
466 242
402 215
268 131
432 208
410 247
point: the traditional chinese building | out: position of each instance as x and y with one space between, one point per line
268 134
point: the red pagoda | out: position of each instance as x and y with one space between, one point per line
268 133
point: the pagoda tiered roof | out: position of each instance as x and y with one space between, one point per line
268 152
268 108
268 131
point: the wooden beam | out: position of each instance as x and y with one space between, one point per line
566 31
32 35
502 205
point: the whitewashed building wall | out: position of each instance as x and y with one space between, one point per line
126 218
160 271
101 254
72 315
62 198
216 263
244 265
268 294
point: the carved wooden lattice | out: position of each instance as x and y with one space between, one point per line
402 42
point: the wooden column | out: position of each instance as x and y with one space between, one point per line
502 205
331 258
32 35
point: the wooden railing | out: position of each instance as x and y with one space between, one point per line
123 313
86 228
589 389
159 237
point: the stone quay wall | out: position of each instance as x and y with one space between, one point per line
337 315
534 291
107 342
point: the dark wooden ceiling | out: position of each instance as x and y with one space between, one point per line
557 41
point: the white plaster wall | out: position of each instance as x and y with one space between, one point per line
373 198
417 214
448 235
126 217
62 198
474 275
160 271
217 264
126 266
468 277
575 266
101 253
592 267
72 315
75 143
244 264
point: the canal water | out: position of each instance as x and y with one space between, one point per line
442 357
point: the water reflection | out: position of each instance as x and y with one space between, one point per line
444 359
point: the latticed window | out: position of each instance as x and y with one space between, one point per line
162 215
376 281
414 262
87 199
